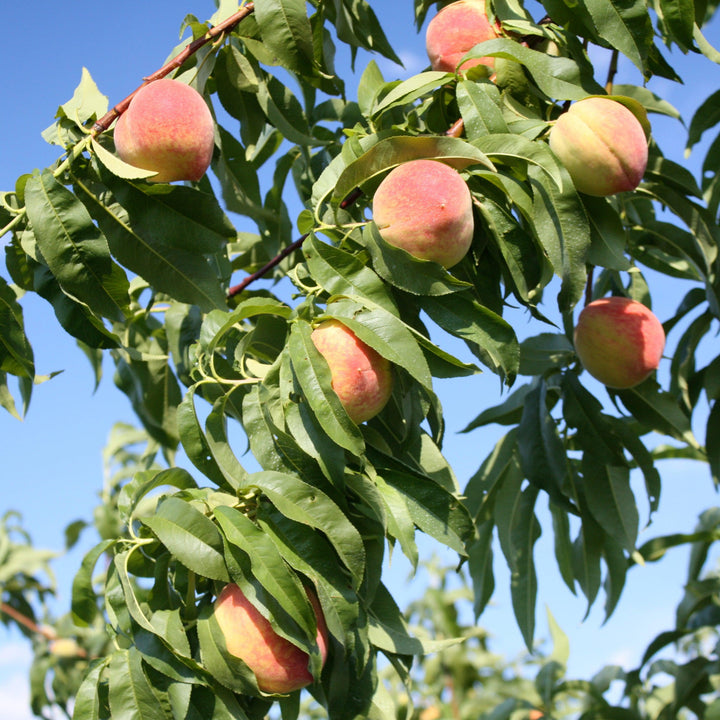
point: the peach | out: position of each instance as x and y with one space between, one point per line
361 377
454 31
279 665
602 145
425 208
619 341
169 128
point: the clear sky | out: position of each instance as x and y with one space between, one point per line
51 467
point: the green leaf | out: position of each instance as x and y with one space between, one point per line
507 412
563 229
87 102
74 317
501 466
357 25
305 429
84 599
341 273
389 631
386 333
563 546
146 481
407 91
545 353
311 554
314 378
519 530
434 510
131 695
626 26
285 112
610 499
162 235
507 147
286 32
542 452
153 392
399 520
226 669
310 506
523 264
365 171
269 568
712 442
480 564
490 337
16 354
558 77
658 410
608 237
218 444
706 116
74 249
194 441
87 699
399 268
191 537
117 167
587 552
480 107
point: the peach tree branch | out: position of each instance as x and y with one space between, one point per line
106 120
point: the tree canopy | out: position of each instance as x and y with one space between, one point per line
205 295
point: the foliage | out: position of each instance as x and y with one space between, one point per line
143 273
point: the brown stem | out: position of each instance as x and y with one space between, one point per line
456 129
237 289
612 72
589 285
21 619
352 198
106 120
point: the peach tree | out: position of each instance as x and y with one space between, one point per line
210 326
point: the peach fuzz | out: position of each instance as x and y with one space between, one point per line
279 665
602 145
454 31
361 377
425 208
168 128
619 341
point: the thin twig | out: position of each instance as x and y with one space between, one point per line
289 250
21 619
612 72
589 285
456 129
106 120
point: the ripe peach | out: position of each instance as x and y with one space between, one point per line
619 341
602 145
361 377
279 665
167 127
425 208
454 31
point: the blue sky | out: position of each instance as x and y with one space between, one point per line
51 468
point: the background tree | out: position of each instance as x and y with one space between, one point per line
158 277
